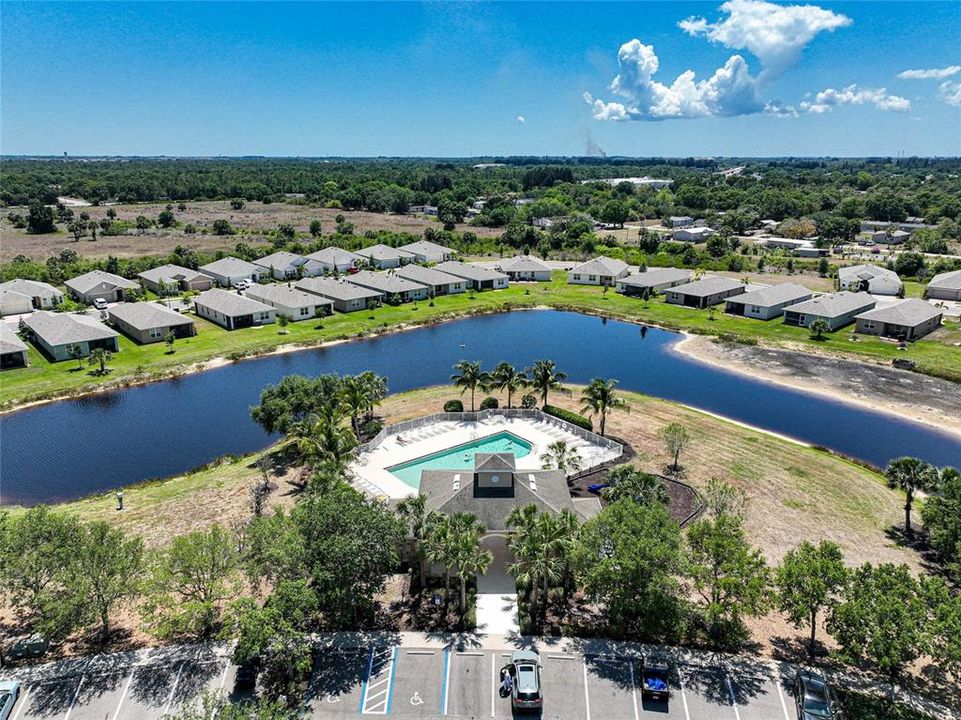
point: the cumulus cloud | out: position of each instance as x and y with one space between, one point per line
930 73
521 119
950 92
775 34
828 99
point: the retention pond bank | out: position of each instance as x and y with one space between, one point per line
69 449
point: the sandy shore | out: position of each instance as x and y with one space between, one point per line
910 395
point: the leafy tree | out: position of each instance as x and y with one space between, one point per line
315 228
78 228
283 321
614 212
192 581
468 376
100 356
808 582
143 223
40 219
544 377
730 577
294 399
823 267
722 498
237 204
213 706
676 438
882 619
166 219
562 457
911 475
628 560
818 327
599 398
286 231
508 378
626 481
75 352
909 264
169 339
942 517
945 628
222 227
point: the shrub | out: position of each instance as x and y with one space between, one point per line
454 406
572 417
371 428
489 403
529 401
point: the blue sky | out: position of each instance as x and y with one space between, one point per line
366 79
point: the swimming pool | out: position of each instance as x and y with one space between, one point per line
460 457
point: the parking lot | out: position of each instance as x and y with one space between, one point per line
421 683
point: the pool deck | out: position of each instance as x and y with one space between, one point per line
373 477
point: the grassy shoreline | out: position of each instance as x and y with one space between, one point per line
45 381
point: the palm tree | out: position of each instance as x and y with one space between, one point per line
437 543
323 437
509 378
470 377
419 521
818 328
100 356
562 457
911 475
544 377
523 544
467 557
627 481
599 398
354 400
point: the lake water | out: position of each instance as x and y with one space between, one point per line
70 449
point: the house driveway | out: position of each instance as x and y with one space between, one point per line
496 592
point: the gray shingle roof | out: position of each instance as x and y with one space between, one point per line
774 295
88 281
707 286
31 288
524 263
67 328
336 289
230 266
170 273
867 272
289 296
656 276
230 303
280 260
9 342
833 304
908 312
947 280
335 256
469 271
385 282
384 252
426 275
147 315
427 248
489 462
601 265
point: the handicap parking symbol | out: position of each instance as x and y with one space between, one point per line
416 699
333 699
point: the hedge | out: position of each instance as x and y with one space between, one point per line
489 403
572 417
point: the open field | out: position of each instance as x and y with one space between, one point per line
254 223
937 354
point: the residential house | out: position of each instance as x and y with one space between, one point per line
174 278
55 333
525 268
283 265
679 221
430 210
836 309
477 277
704 292
425 251
392 286
905 320
944 286
233 311
345 296
229 271
150 322
336 260
599 271
889 237
99 284
769 302
385 257
23 296
290 302
692 234
436 281
13 350
869 278
652 281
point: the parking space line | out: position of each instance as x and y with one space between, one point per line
23 703
587 694
363 693
390 686
470 652
630 664
75 696
123 696
493 682
680 680
730 692
446 687
780 695
561 657
173 690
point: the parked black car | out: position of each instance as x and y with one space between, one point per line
815 698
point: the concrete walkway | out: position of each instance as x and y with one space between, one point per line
496 593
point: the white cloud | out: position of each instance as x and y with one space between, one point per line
521 119
828 99
775 34
930 73
950 92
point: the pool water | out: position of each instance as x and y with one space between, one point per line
460 457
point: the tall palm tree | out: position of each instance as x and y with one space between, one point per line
470 377
509 378
419 521
437 543
323 438
544 377
561 457
468 558
354 398
522 522
627 481
911 475
600 397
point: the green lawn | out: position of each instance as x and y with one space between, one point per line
936 354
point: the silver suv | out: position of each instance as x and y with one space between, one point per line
526 692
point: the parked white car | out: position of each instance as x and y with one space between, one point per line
9 694
100 304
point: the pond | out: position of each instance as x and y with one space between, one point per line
73 448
